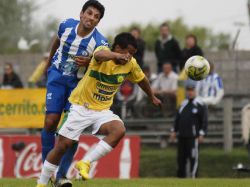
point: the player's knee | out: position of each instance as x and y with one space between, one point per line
62 147
119 131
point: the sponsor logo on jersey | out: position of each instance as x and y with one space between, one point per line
108 88
101 97
120 79
49 95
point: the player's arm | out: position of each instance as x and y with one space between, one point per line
55 45
145 86
106 55
203 122
82 61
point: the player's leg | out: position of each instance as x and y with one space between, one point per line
69 134
194 155
48 133
113 130
54 106
65 164
53 159
69 154
181 158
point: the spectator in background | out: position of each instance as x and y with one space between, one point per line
167 49
39 77
190 127
166 82
211 88
143 107
165 87
136 32
151 77
125 99
10 78
191 49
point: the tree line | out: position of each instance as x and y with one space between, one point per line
18 21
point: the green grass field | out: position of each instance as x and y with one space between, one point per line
150 182
213 163
157 164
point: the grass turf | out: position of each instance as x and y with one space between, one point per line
213 162
150 182
162 162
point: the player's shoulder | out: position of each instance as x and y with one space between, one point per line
183 104
100 39
70 22
102 47
216 75
198 101
134 63
174 75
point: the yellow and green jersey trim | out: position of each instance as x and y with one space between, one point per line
110 79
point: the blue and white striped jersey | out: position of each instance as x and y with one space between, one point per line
209 86
72 45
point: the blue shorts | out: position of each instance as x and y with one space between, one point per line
59 88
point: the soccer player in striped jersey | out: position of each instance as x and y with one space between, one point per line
73 47
91 100
210 89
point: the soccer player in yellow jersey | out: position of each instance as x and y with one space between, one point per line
91 101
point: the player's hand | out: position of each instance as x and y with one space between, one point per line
201 139
82 61
172 137
156 101
123 58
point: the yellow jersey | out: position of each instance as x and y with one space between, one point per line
97 88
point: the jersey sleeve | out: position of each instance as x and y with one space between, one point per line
102 47
61 29
101 40
66 24
136 75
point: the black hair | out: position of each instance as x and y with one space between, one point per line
136 29
124 39
9 64
192 36
164 25
96 4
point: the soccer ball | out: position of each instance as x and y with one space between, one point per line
197 68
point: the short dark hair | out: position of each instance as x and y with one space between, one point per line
135 29
164 25
8 64
192 36
96 4
124 39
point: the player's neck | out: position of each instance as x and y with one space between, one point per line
81 31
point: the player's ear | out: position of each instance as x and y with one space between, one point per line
81 15
117 48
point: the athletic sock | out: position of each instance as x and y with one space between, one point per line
66 162
47 171
48 142
101 149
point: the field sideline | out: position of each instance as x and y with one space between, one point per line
149 182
